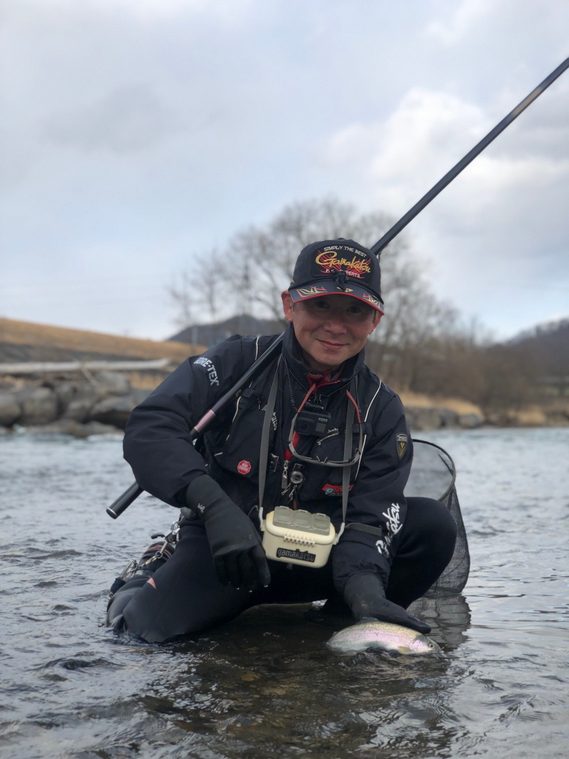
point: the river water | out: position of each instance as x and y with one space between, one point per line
266 683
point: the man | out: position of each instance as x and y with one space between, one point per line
316 432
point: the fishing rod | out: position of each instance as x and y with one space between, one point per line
132 493
384 241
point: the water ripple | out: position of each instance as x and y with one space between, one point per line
266 684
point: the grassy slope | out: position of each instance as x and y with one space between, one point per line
13 332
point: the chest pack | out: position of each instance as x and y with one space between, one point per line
298 536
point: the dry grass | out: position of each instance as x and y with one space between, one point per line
459 406
532 416
29 333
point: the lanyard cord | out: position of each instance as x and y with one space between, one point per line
321 381
264 449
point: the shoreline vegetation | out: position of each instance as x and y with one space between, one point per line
39 392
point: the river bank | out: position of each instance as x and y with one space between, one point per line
85 401
101 402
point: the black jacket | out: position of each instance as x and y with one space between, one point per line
158 447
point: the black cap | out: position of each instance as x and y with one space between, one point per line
337 267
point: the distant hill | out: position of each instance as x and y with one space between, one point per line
549 342
27 341
548 346
545 348
551 334
243 324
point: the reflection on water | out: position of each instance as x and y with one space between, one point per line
266 682
276 685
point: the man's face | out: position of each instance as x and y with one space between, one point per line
330 329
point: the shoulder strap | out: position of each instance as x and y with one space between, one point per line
264 450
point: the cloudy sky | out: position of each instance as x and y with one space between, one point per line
137 134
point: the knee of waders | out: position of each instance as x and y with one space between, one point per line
446 530
435 520
429 530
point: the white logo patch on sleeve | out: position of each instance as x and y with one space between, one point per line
209 366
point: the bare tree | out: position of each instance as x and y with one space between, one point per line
271 251
257 265
413 319
180 291
198 292
421 344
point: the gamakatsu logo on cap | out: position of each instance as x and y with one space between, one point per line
329 261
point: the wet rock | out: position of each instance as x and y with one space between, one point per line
10 409
114 410
39 405
470 421
79 409
65 392
423 418
111 384
497 419
447 417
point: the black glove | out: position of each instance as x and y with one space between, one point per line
235 544
365 596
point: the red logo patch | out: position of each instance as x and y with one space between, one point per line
329 489
244 466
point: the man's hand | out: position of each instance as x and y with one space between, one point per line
235 544
365 596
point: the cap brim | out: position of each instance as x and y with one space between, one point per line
319 289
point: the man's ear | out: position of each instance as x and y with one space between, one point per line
287 305
375 320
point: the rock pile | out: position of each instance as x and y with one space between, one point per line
434 418
77 406
102 402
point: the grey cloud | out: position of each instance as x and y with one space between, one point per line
544 129
181 127
128 119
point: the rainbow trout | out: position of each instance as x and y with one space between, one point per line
384 636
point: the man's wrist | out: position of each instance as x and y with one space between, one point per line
363 583
200 493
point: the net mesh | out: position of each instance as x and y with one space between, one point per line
433 475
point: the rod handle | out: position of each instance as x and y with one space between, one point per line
123 501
